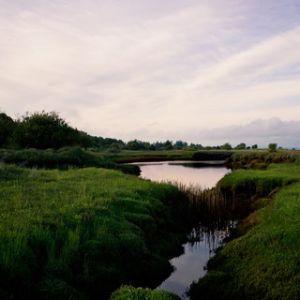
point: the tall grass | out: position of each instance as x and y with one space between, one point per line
77 233
212 208
64 158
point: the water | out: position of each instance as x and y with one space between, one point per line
190 266
203 174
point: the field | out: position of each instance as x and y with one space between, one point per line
81 233
263 261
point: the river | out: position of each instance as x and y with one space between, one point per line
202 241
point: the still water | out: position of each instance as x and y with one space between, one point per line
190 266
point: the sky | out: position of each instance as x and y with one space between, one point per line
204 71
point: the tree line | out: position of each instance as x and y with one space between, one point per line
44 130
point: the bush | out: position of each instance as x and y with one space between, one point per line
45 130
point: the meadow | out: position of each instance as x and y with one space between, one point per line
81 233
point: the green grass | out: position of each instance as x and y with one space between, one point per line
83 232
259 182
260 159
131 293
127 156
63 158
264 263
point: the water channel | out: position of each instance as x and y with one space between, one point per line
202 241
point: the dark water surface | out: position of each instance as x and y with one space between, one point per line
190 266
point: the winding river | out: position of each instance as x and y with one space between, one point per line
190 265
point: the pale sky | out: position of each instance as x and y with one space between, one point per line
205 71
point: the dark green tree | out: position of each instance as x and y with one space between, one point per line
7 127
168 145
272 147
241 146
46 130
226 146
180 145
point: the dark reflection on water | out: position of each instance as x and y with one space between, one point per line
191 265
206 236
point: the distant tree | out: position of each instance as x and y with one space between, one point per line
254 146
133 145
226 146
168 145
158 145
115 148
272 147
241 146
7 127
180 145
45 130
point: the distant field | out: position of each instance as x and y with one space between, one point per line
237 158
138 156
83 232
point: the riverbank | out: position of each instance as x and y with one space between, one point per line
81 233
262 261
127 156
80 157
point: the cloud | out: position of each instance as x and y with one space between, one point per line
261 131
141 69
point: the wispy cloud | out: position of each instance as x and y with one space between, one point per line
115 67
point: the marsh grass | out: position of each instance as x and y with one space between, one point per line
81 233
64 158
260 159
211 207
262 261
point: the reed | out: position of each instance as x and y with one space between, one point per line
211 206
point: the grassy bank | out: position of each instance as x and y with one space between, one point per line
64 158
81 233
246 159
263 262
128 156
260 159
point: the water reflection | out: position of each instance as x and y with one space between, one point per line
206 236
205 175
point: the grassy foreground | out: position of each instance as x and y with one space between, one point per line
264 261
81 233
